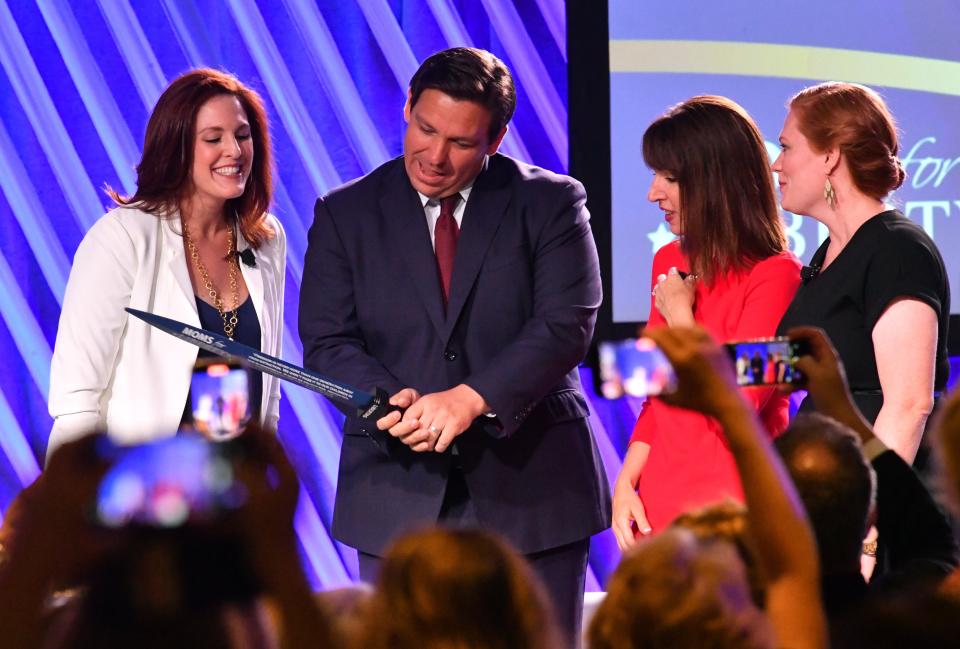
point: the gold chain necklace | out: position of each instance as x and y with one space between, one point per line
229 323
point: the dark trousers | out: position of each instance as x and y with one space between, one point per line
562 569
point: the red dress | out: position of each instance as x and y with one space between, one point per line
689 465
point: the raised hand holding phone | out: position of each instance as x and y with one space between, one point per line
636 367
166 483
705 376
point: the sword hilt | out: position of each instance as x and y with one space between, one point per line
378 407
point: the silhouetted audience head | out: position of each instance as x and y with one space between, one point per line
947 442
241 625
464 589
197 580
915 619
176 589
677 590
835 482
947 439
726 520
346 609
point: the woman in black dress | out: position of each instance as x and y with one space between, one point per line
877 285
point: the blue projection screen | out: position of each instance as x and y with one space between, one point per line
759 55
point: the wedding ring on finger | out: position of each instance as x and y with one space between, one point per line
434 430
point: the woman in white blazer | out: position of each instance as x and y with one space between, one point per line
194 243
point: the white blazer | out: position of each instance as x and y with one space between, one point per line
111 371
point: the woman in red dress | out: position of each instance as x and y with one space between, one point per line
729 271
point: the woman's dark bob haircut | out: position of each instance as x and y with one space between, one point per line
729 215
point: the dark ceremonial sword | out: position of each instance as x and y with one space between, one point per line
370 407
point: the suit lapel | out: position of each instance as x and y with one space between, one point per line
484 211
177 265
407 227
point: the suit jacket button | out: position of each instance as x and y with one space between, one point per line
450 355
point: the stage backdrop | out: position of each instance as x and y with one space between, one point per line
760 54
77 83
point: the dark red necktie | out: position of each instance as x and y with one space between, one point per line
445 236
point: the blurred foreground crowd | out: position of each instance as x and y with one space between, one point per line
783 571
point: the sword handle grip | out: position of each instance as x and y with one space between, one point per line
379 407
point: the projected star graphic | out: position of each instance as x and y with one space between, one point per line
660 237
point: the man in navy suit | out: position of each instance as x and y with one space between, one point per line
480 350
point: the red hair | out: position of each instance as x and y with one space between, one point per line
855 120
163 175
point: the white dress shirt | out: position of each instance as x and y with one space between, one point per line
431 208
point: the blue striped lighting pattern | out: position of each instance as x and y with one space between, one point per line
77 83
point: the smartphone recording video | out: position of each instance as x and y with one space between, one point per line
634 367
166 483
219 398
766 361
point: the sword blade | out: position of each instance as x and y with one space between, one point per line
222 346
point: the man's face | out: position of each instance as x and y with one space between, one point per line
446 142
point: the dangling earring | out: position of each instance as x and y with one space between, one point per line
830 194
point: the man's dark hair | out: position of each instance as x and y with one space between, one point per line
469 74
835 482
